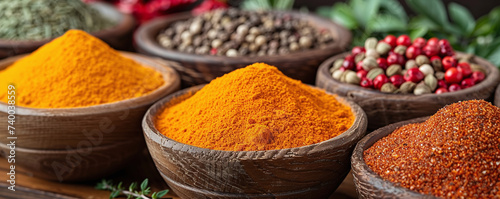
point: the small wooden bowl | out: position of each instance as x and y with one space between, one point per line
312 171
201 69
383 108
118 37
100 139
497 96
368 183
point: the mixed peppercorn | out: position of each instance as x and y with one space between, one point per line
396 65
232 32
454 154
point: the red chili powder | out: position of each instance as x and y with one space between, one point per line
454 154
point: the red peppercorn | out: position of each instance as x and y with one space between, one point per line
441 90
435 58
391 40
419 42
348 64
366 83
361 73
379 81
359 65
478 76
430 50
397 80
356 50
433 41
213 51
466 83
449 62
444 42
412 52
454 87
414 75
403 40
442 84
452 76
446 51
395 58
382 63
464 68
349 58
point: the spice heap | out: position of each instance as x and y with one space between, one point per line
37 20
234 32
454 154
396 65
255 108
76 70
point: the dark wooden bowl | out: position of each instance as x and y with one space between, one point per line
368 183
83 143
312 171
497 96
200 69
118 37
383 108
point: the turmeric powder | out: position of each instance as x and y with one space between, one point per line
255 108
76 70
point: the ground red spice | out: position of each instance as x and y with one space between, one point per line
454 154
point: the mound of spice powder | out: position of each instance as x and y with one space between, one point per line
255 108
454 154
76 70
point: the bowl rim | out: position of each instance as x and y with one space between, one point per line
171 83
126 22
342 37
497 96
359 166
492 78
348 137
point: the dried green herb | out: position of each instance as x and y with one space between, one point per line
37 20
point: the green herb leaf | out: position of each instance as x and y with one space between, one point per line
433 9
144 184
132 186
114 194
385 23
162 193
421 21
342 14
325 11
394 7
419 32
462 17
365 10
494 57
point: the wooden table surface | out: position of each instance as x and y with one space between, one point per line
31 187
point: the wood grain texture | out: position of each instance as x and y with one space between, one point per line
383 108
368 183
29 187
497 96
312 171
115 36
88 140
201 69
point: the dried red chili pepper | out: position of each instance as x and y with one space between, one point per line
454 154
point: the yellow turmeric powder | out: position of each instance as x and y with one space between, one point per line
76 70
255 108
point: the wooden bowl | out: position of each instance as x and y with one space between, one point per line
368 183
312 171
201 69
497 96
118 37
384 108
87 142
